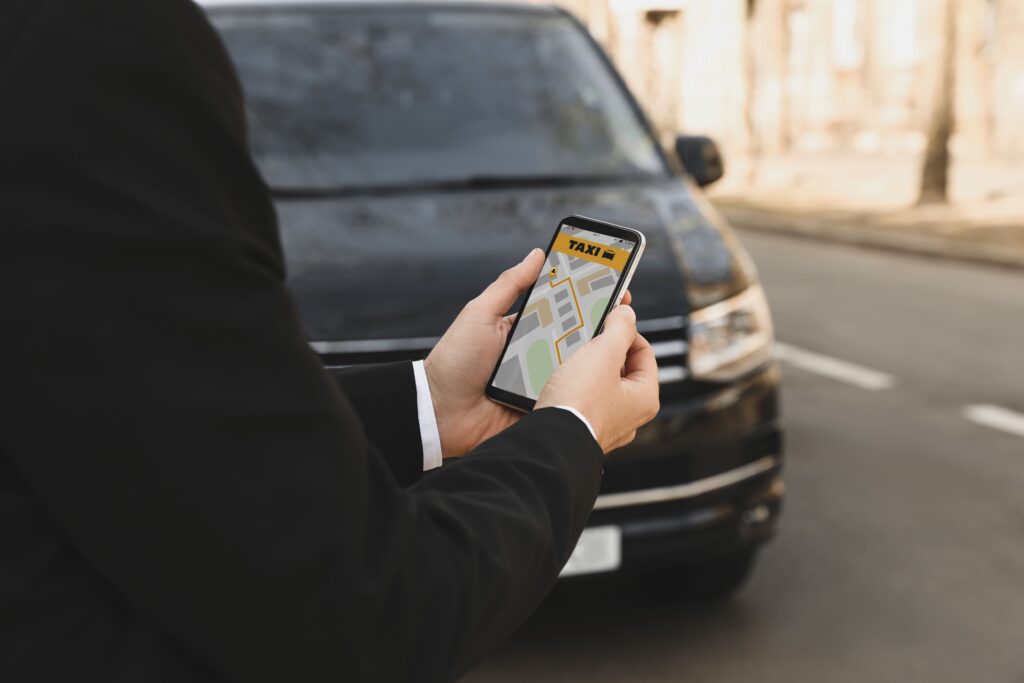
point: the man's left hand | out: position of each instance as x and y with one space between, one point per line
462 361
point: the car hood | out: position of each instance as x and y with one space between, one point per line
404 265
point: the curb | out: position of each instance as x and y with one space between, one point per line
934 246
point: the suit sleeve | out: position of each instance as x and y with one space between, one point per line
160 399
384 396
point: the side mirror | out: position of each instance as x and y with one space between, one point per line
700 158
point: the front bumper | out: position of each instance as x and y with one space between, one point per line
702 481
698 528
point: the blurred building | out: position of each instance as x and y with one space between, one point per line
778 76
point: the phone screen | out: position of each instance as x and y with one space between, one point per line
565 307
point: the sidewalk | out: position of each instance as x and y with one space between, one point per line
869 201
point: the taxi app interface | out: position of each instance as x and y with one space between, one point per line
564 308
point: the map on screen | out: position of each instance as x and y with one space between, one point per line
564 307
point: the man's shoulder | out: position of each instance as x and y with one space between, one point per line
82 61
145 12
86 30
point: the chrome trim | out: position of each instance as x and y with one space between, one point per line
666 375
672 373
372 345
672 347
674 322
688 490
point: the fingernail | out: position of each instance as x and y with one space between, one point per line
532 252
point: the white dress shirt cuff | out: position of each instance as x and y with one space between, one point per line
429 436
584 420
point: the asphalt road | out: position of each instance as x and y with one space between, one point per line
901 555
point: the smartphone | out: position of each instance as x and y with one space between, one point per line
588 268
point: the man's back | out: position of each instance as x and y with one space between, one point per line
185 493
84 82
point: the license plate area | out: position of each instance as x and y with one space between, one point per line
599 550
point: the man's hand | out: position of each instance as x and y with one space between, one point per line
612 380
462 361
460 365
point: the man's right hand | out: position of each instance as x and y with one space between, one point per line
612 381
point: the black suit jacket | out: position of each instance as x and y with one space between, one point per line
185 494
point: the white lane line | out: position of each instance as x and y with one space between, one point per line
995 417
833 368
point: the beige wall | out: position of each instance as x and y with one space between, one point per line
818 75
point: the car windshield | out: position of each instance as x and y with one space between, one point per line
364 98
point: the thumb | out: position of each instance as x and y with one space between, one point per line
503 292
619 330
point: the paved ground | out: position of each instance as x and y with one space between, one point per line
923 231
862 182
870 199
902 552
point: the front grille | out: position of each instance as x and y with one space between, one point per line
340 354
667 337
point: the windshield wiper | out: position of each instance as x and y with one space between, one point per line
462 184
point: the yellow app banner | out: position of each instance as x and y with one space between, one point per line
591 251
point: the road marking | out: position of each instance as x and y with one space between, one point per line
834 368
995 417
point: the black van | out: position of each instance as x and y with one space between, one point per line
416 149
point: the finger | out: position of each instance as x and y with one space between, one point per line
619 331
627 298
503 292
641 378
641 365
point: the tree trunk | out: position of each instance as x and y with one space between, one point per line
935 168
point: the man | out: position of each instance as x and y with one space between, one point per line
185 494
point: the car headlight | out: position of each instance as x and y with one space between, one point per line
731 337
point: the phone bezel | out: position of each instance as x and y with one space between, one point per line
525 403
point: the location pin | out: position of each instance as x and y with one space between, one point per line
553 272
